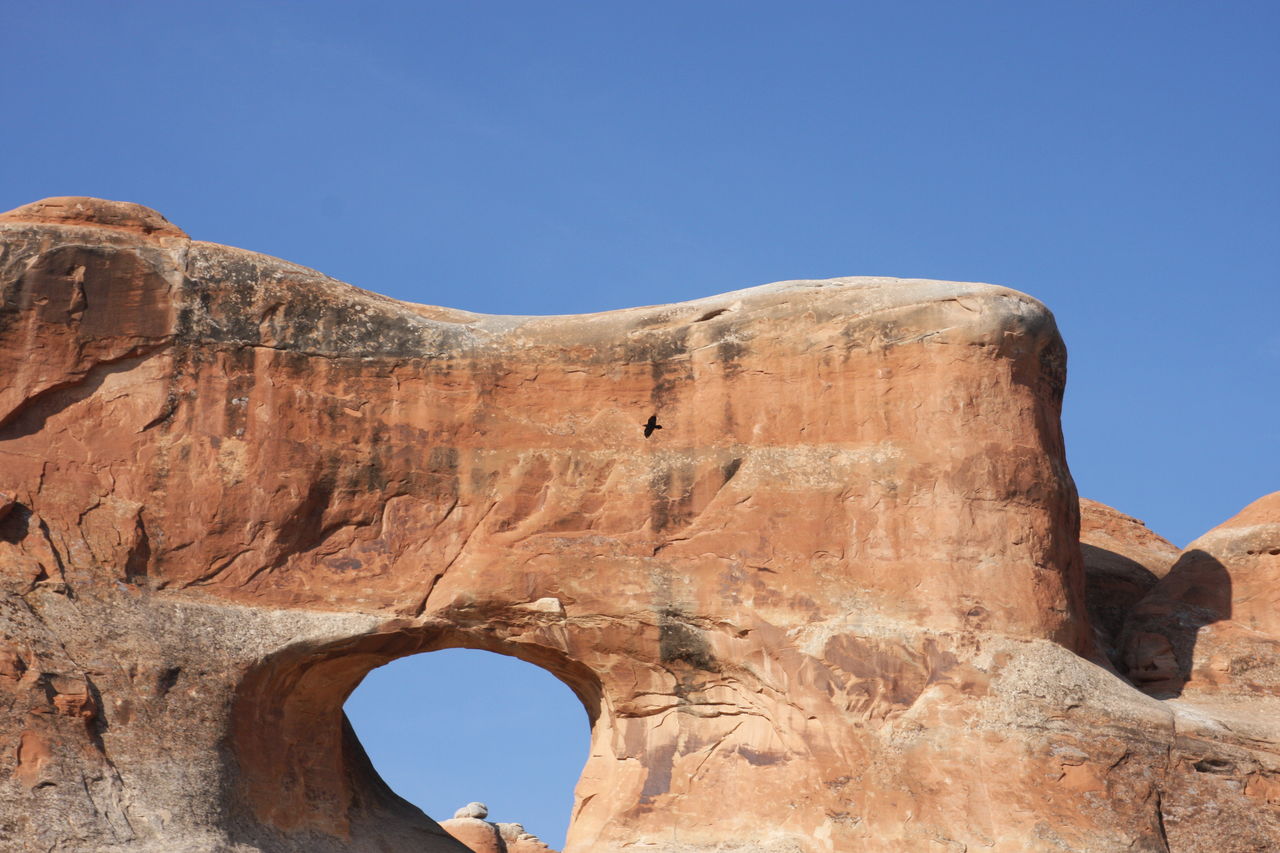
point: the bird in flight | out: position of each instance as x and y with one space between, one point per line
651 425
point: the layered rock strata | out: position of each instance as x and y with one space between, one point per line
836 603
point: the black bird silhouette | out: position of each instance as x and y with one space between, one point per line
651 426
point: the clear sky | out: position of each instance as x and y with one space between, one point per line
1116 159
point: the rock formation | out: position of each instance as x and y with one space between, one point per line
1122 562
519 841
1211 626
469 826
836 603
472 810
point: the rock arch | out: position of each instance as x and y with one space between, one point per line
835 603
297 756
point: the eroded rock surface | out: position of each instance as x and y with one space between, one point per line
1123 559
520 841
469 826
1212 624
478 835
836 603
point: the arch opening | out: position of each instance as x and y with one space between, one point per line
302 771
449 727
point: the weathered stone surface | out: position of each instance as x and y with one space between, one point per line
468 826
1208 635
1122 562
476 810
519 841
478 835
836 603
1212 624
95 213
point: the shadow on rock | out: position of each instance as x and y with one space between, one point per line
1114 584
1159 637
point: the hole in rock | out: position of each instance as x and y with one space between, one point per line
1213 765
710 315
450 727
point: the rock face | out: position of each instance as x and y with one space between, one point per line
836 603
1211 626
1122 562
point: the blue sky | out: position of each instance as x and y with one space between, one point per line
1118 160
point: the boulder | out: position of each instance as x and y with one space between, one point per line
478 835
481 836
520 841
472 810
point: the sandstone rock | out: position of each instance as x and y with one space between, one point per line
836 603
544 605
1103 527
1122 562
1207 633
1213 622
476 810
519 841
478 835
97 213
481 836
